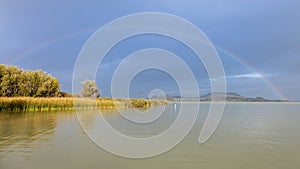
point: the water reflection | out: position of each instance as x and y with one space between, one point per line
23 132
249 136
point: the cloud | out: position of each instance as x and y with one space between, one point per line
248 75
251 75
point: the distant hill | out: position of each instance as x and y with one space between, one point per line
230 97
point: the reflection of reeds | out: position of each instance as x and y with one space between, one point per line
48 104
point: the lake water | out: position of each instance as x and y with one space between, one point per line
250 135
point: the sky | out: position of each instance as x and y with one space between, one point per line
258 42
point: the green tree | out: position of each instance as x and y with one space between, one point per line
24 84
10 81
18 82
90 89
3 71
49 87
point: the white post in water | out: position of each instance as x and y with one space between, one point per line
174 112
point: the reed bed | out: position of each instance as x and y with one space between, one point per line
27 104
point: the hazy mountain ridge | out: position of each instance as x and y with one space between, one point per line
230 97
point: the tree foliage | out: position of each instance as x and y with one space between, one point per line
90 89
18 82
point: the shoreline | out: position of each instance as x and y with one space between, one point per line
40 104
230 102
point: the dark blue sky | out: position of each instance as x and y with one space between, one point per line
258 41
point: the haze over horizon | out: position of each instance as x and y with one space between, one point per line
257 41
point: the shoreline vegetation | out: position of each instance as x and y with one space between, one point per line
35 90
31 104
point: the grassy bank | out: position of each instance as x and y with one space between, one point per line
26 104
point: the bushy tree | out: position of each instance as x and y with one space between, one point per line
10 81
49 87
90 89
18 82
2 73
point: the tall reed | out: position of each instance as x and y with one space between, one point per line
25 104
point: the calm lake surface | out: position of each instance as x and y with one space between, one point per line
250 136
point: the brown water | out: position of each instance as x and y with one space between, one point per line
251 135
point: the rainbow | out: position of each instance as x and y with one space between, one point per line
56 40
48 43
253 70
